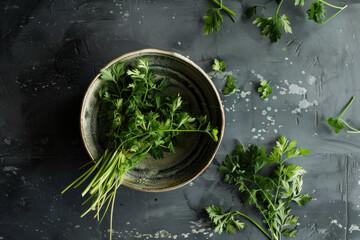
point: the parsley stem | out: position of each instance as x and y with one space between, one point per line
352 99
281 167
253 222
164 130
278 8
353 129
335 13
258 207
333 6
277 12
227 10
112 204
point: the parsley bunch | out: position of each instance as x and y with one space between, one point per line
136 118
270 193
338 124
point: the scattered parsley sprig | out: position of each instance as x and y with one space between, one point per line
136 118
317 12
230 87
272 26
265 89
338 124
213 17
271 194
218 65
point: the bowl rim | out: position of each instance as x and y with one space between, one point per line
202 72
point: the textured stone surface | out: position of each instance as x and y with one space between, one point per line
50 51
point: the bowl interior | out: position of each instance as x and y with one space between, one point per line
194 152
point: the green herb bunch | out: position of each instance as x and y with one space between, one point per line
136 118
271 193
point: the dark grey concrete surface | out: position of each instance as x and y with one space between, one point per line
50 51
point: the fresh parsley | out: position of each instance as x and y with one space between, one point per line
317 12
270 193
230 87
338 123
213 18
136 118
218 66
224 221
265 89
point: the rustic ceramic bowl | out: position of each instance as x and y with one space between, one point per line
197 150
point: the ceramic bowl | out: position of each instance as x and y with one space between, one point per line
197 150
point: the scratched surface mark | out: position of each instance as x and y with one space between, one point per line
50 51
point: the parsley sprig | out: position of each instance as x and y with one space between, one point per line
218 65
317 12
338 123
230 87
272 26
265 89
213 17
136 118
270 193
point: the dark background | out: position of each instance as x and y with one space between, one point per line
51 50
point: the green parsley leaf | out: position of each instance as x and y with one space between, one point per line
224 222
218 65
285 24
269 28
212 20
338 124
317 12
229 88
302 200
289 233
265 89
272 26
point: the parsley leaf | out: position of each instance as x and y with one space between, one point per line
224 222
284 23
218 65
338 124
229 88
212 20
270 193
317 12
269 28
272 26
135 118
265 89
